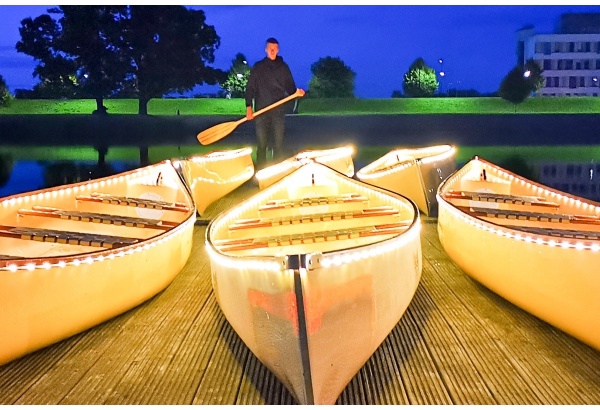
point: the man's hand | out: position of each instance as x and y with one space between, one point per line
249 113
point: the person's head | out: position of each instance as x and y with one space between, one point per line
272 48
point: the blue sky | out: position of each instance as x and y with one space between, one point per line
476 43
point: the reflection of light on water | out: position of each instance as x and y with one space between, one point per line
28 175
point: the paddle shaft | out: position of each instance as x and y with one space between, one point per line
219 131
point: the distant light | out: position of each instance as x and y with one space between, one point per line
442 73
526 74
440 61
239 75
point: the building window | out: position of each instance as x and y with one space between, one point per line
557 47
569 64
547 48
597 64
587 46
582 81
578 65
571 47
586 65
547 64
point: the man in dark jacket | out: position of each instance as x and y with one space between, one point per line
270 80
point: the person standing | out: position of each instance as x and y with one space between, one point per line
270 80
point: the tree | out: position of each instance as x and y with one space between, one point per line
5 95
331 79
80 54
106 51
237 77
420 80
169 47
520 82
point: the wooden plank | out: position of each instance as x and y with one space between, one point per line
135 202
500 198
111 219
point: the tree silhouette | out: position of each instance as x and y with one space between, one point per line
420 80
520 82
105 51
331 79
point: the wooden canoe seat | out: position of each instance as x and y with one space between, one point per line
110 219
562 233
533 216
312 218
136 202
312 201
227 245
501 198
66 237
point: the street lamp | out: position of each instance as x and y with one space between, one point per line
526 74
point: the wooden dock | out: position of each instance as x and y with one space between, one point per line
458 343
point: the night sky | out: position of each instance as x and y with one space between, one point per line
476 43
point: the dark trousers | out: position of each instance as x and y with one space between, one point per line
269 133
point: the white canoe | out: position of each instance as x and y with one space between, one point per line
313 273
413 172
535 246
339 158
76 255
214 175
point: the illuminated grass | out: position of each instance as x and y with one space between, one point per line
324 106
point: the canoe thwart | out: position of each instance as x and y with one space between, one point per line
228 245
561 233
500 198
531 216
117 220
66 237
312 218
136 202
312 201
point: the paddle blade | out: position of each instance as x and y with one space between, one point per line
217 132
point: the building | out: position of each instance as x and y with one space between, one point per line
570 58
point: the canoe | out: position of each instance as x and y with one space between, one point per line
313 272
339 158
214 175
77 255
533 245
413 172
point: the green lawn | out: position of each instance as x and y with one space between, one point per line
308 106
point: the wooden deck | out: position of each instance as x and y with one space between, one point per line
458 343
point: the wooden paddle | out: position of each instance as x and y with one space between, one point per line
219 131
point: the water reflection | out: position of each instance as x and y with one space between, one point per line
32 175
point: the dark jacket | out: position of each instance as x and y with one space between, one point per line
269 82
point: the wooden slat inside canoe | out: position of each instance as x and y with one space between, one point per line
226 245
561 233
9 257
313 218
312 201
136 202
117 220
66 237
500 198
533 216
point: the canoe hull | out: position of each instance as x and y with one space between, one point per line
315 319
553 279
415 173
46 299
214 175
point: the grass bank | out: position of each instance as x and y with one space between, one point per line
308 106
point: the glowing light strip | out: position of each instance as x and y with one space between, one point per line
247 174
410 157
